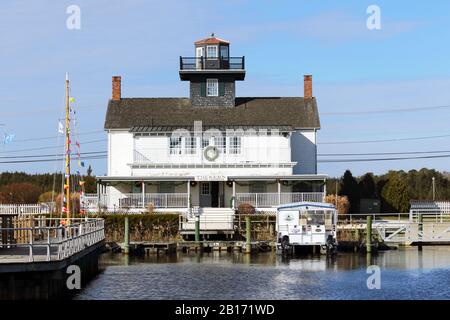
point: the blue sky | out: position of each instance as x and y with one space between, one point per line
403 65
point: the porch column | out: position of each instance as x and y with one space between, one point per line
234 194
102 192
279 191
324 190
98 196
143 194
188 194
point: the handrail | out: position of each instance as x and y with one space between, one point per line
211 63
68 240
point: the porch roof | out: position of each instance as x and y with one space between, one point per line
305 177
289 177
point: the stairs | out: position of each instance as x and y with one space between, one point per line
211 219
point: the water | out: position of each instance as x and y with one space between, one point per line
405 274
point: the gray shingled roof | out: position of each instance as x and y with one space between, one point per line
271 111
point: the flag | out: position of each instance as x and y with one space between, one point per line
66 186
8 138
82 163
81 183
72 99
60 127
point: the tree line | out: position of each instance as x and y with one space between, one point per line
21 187
394 189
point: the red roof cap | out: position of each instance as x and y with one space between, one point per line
211 40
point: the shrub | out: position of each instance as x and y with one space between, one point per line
246 208
74 203
17 193
343 205
48 196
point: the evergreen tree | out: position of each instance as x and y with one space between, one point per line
367 187
394 195
89 171
349 187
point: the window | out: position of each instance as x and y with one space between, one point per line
211 51
190 145
235 145
212 87
175 145
205 142
221 143
224 52
205 188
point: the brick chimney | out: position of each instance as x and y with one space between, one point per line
307 81
116 87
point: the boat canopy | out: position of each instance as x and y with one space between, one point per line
306 205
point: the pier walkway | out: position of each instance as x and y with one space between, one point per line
426 226
45 240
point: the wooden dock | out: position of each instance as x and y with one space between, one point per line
158 247
38 268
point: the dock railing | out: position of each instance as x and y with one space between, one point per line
16 209
52 241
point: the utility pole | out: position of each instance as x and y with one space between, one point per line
434 188
336 198
67 184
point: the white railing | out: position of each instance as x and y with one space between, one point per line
52 241
265 200
24 209
226 155
167 200
158 200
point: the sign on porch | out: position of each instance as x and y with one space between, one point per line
211 178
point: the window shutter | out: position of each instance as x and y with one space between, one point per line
221 88
203 89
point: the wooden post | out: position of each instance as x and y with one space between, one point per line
420 232
197 228
127 235
188 199
234 194
369 234
248 231
143 193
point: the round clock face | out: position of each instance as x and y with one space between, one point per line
211 153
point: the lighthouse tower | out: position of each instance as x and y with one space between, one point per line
212 73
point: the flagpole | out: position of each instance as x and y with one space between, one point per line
67 186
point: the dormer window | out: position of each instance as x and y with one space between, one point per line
212 87
211 52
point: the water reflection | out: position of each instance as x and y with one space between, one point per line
406 274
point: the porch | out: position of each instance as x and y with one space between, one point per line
181 194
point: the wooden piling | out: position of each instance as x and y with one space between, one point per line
369 235
420 232
197 229
127 235
248 247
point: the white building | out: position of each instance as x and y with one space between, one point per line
211 150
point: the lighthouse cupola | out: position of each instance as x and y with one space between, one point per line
212 73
